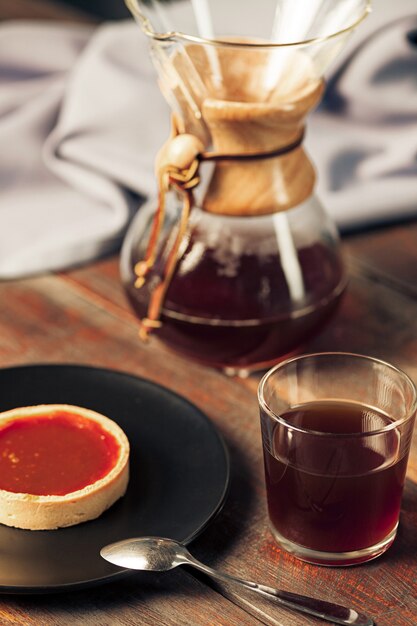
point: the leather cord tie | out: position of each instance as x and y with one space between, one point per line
178 168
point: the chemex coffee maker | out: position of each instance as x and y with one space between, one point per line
236 264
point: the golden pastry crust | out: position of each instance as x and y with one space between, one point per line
39 512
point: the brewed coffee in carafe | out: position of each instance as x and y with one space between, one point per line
236 264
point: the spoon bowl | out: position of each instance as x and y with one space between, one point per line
154 554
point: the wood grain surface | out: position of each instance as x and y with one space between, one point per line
82 316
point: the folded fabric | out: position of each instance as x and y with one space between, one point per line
81 120
363 138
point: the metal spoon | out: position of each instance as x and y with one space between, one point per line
159 555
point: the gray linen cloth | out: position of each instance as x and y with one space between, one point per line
81 120
363 138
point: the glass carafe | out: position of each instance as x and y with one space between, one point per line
236 264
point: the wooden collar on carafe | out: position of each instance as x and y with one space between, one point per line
178 168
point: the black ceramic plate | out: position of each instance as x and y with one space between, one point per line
179 475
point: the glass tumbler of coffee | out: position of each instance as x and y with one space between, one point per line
336 433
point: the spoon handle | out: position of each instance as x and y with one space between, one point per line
329 611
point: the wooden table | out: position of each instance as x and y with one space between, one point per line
82 316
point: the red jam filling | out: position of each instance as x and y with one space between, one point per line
54 454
